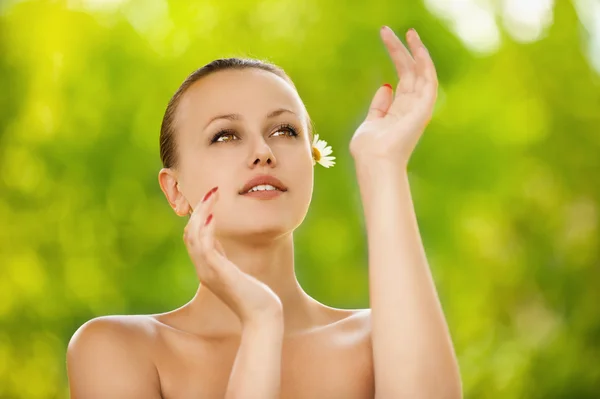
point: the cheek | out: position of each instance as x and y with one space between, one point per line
299 154
302 177
200 175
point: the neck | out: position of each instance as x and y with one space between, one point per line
272 263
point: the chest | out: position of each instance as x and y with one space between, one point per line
318 366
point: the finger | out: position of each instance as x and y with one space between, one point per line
414 44
208 244
430 72
205 214
381 103
426 85
191 227
197 218
425 68
403 60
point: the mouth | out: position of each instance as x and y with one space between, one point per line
264 194
263 183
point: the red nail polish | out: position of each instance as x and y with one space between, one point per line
388 85
208 194
208 219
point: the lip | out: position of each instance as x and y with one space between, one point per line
263 179
265 195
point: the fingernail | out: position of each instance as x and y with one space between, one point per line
208 219
208 194
382 27
388 85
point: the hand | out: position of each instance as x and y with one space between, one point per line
247 297
395 123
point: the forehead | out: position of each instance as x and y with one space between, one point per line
250 92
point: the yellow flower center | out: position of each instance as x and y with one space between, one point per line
316 154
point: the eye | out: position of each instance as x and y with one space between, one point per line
222 133
287 128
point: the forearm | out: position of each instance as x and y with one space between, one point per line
412 348
257 367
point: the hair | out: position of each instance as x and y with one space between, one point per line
168 147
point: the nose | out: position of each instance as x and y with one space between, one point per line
262 155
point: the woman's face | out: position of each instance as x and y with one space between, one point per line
252 144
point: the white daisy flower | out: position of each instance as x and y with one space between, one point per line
321 152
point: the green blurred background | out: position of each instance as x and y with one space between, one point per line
505 179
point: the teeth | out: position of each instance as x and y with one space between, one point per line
265 187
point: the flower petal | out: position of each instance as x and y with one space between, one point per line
326 151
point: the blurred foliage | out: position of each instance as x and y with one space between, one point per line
505 179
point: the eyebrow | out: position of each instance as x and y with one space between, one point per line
237 117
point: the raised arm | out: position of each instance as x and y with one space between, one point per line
412 350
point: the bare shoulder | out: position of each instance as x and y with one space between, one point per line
108 356
115 329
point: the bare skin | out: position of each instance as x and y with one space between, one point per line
318 361
295 346
329 358
251 331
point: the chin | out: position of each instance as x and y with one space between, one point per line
256 227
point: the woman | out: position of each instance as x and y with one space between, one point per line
238 155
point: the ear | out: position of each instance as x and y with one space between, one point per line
169 185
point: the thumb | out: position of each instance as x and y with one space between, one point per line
381 102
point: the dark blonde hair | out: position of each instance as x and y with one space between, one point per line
168 153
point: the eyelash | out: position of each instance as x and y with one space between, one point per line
226 132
